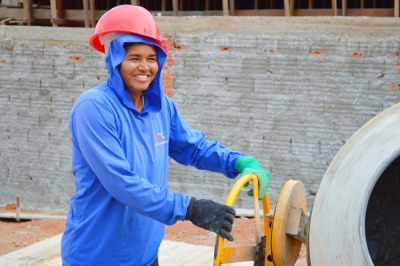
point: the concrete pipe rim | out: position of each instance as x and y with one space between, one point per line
337 227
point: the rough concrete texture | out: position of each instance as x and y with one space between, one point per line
289 91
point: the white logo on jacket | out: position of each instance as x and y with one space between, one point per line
160 140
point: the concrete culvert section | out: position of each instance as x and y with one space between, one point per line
382 223
355 216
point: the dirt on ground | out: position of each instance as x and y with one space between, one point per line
16 235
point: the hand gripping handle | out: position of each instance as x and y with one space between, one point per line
219 255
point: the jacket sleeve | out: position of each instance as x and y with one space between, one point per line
93 130
191 147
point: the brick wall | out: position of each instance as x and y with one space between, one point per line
289 91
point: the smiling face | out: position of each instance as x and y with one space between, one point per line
138 68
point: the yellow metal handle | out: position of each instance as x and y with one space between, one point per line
230 200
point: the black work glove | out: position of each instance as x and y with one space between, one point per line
211 216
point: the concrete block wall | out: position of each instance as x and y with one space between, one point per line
289 91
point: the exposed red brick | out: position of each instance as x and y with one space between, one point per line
168 75
11 206
317 53
169 92
75 58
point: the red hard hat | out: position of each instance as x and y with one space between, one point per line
126 19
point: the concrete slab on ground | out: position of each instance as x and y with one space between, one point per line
47 253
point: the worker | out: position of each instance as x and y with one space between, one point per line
123 132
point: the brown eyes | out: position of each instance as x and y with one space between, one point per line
137 59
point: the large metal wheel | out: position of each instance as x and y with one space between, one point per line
355 218
286 249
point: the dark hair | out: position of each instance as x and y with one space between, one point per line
133 43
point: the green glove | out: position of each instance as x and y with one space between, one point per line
248 165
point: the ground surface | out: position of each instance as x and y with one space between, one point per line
18 235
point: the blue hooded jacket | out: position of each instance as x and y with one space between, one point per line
120 166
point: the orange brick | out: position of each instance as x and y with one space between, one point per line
169 92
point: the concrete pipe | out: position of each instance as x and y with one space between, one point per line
355 218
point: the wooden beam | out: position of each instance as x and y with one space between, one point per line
5 21
53 8
369 12
232 7
60 10
86 13
326 12
286 7
28 11
334 8
289 7
396 8
344 7
260 12
175 7
92 5
225 8
74 15
56 13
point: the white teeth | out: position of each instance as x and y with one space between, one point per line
141 76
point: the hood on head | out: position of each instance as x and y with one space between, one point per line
116 54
